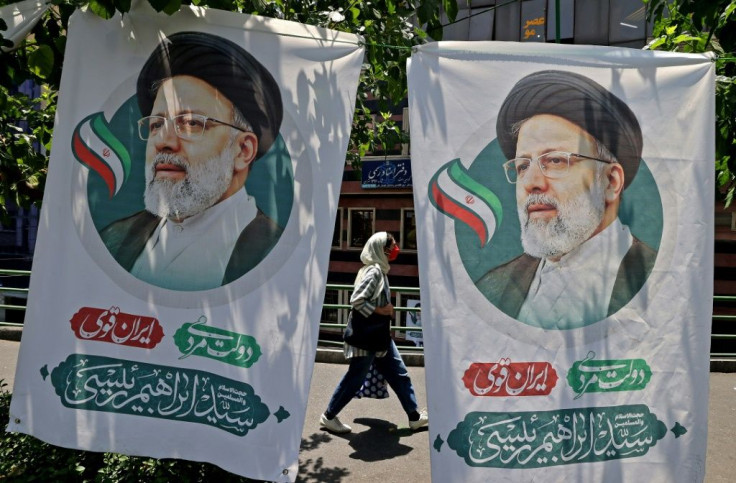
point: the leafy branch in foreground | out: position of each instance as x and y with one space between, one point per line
696 27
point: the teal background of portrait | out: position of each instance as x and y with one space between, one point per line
270 182
641 210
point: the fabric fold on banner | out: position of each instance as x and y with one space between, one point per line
185 237
500 52
20 18
566 199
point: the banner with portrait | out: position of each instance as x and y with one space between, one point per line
182 256
565 199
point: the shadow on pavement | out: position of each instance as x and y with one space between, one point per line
314 469
380 442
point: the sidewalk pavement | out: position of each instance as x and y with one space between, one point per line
381 447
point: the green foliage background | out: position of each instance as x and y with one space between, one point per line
706 26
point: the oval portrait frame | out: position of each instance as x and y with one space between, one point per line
271 182
505 244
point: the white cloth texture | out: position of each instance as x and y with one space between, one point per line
579 285
193 254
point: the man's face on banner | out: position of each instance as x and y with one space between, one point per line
558 214
185 176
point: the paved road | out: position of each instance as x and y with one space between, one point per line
382 449
8 356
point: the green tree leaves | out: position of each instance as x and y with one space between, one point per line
24 140
41 61
693 27
103 8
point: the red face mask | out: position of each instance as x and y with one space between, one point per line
393 253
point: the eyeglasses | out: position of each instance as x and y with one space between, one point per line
555 164
187 126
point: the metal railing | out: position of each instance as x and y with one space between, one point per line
729 320
344 308
341 309
11 292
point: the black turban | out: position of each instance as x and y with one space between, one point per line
225 66
579 100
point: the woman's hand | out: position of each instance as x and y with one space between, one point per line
385 310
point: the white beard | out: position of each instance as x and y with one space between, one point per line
203 185
575 222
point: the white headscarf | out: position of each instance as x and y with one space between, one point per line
373 255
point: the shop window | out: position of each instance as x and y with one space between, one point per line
408 229
361 223
337 234
533 21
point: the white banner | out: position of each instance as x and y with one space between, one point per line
185 234
565 199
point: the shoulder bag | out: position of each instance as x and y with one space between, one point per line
369 333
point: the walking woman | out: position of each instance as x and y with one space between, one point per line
372 295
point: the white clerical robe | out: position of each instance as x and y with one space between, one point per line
193 254
579 285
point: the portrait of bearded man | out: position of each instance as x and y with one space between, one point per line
210 110
572 148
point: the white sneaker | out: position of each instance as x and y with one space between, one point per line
421 422
334 425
